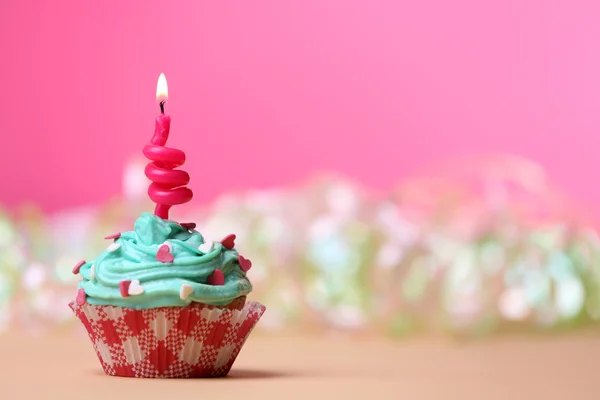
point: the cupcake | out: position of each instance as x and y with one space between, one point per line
163 301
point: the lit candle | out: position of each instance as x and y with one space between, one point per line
168 185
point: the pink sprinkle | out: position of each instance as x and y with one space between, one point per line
124 288
228 241
188 225
113 236
245 264
78 266
80 299
164 254
217 278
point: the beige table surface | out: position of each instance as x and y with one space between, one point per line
567 367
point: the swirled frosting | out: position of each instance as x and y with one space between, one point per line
132 257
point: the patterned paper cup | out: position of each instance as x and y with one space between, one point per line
170 342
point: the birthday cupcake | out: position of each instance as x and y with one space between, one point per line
163 301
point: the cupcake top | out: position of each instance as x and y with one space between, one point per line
163 264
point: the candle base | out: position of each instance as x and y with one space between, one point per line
162 211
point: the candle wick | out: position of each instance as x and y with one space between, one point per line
162 107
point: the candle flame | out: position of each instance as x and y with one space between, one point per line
162 90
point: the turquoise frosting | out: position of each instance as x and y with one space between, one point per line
133 257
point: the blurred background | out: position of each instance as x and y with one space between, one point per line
391 168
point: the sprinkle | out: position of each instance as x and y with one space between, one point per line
80 299
124 288
188 225
245 264
131 288
78 266
113 247
185 291
113 236
164 254
93 271
228 241
206 247
135 288
217 278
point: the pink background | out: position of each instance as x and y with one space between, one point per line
269 92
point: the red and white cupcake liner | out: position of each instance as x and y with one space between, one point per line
169 342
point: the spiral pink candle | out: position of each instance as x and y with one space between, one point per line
168 184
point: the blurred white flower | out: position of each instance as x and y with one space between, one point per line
333 256
537 286
464 305
342 200
389 255
134 182
513 304
446 249
34 276
69 230
570 296
323 227
395 225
